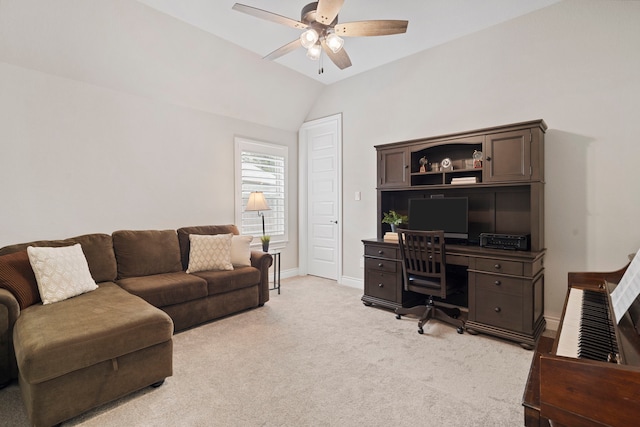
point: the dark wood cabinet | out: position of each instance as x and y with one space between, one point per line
383 276
500 170
506 296
513 156
393 167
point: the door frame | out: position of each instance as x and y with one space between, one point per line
303 199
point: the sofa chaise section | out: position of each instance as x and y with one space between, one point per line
86 350
77 354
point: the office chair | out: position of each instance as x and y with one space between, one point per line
424 269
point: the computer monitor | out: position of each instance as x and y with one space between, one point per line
450 214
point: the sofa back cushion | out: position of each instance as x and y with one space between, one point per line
183 237
146 252
97 248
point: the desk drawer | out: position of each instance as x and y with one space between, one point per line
381 264
381 285
500 266
382 251
501 310
500 284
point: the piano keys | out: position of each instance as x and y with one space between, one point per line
588 330
591 375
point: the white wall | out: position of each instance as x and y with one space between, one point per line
78 158
116 116
576 65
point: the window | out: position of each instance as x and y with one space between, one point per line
261 166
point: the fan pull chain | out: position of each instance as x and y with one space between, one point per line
320 66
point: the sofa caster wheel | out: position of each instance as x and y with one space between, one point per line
157 384
421 331
460 330
398 317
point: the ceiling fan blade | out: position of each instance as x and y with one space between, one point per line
371 28
341 59
289 47
273 17
328 10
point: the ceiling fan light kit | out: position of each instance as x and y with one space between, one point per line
322 31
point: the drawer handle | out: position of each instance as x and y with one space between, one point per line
380 285
380 252
379 264
497 266
497 310
498 283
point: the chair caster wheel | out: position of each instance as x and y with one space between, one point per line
398 317
420 331
460 330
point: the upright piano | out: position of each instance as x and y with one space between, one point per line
590 375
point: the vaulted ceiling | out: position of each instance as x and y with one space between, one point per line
431 23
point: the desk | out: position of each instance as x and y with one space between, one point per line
276 271
505 288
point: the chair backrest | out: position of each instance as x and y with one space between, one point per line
424 261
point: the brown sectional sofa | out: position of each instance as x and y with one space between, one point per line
76 354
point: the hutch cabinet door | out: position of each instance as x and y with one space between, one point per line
393 167
508 156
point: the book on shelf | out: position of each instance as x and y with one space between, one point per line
464 180
390 237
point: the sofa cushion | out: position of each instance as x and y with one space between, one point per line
97 248
61 273
241 251
146 252
209 252
184 232
53 340
16 276
219 282
166 289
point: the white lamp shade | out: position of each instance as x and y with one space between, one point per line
257 202
309 38
334 42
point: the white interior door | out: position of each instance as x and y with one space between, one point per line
320 164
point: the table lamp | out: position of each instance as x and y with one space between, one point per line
258 203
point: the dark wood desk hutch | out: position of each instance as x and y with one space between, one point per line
505 294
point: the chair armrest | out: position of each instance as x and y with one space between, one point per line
262 261
9 312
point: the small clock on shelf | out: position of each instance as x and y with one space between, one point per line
446 164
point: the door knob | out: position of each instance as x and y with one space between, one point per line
333 222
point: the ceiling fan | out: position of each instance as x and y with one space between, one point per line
323 33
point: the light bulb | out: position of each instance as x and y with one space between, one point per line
334 42
308 38
314 52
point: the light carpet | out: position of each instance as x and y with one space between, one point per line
316 356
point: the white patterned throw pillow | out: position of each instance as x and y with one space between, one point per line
61 273
209 252
241 251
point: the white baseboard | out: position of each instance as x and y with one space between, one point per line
552 323
352 282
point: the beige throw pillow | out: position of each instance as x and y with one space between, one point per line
61 273
209 252
241 251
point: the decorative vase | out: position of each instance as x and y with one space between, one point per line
265 246
393 228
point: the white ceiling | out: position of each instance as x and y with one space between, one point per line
431 23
